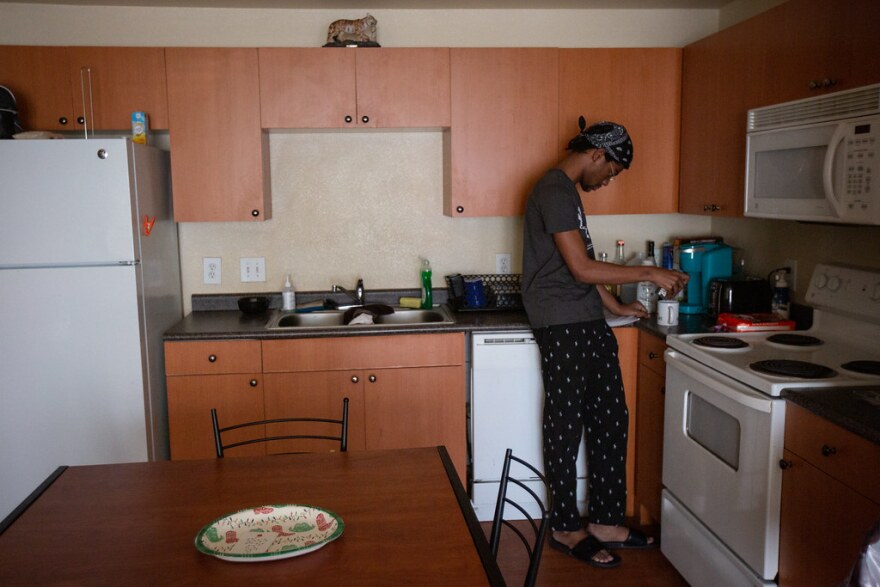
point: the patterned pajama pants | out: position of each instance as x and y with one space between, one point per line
583 393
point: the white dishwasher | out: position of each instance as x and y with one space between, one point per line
507 398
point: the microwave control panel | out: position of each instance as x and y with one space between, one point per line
861 155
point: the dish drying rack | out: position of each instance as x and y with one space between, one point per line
503 291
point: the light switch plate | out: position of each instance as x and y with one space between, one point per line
211 270
253 269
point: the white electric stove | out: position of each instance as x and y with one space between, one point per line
725 421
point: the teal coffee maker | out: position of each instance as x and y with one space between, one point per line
703 262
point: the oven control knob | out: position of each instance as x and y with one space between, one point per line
821 280
875 294
834 283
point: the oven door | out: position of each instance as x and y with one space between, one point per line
722 445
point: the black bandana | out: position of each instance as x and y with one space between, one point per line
604 135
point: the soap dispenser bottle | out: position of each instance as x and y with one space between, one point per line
427 293
780 303
288 296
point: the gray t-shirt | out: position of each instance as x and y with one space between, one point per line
551 295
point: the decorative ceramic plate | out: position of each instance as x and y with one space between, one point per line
269 532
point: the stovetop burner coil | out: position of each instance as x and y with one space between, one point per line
789 368
720 342
865 367
794 339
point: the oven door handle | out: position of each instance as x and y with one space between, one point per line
732 390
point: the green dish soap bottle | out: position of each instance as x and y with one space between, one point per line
427 294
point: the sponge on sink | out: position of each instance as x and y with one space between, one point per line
410 302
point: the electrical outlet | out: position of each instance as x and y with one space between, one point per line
253 269
792 276
502 263
211 270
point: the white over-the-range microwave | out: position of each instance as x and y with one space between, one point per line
816 159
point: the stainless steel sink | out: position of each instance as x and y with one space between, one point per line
334 319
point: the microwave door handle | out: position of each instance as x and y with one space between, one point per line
828 168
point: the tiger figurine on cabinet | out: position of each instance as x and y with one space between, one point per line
361 32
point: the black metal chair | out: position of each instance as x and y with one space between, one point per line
221 447
539 526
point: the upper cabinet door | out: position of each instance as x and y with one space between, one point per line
112 82
504 128
307 88
39 78
219 156
351 88
398 88
640 89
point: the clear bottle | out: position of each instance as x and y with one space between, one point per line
288 295
427 291
649 255
620 255
603 256
646 290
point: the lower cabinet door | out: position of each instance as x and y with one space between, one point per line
415 407
649 430
823 528
315 394
238 398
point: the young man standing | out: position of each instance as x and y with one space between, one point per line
565 299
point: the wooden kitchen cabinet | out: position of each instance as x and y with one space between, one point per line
219 154
649 427
366 88
225 375
120 80
830 499
406 391
504 133
641 89
54 91
819 47
770 58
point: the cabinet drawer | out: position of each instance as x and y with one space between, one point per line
363 352
651 350
839 453
212 357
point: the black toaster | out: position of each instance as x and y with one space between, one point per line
738 295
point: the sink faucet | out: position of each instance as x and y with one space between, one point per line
357 295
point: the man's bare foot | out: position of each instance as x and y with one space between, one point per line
571 539
606 533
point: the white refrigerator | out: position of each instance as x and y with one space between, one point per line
89 281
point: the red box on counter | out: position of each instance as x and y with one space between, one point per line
754 322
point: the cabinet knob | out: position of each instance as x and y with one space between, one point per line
663 390
354 379
365 119
253 382
81 119
828 451
62 120
212 358
255 213
652 355
783 464
459 209
348 119
372 378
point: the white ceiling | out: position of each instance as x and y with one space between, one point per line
395 4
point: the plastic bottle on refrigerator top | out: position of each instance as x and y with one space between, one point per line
427 292
780 303
288 295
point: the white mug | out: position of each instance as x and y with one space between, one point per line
667 312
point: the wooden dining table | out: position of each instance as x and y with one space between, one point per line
407 521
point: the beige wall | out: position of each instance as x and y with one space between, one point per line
366 204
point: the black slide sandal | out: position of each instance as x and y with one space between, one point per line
636 539
585 550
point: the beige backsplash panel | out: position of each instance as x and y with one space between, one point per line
349 204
